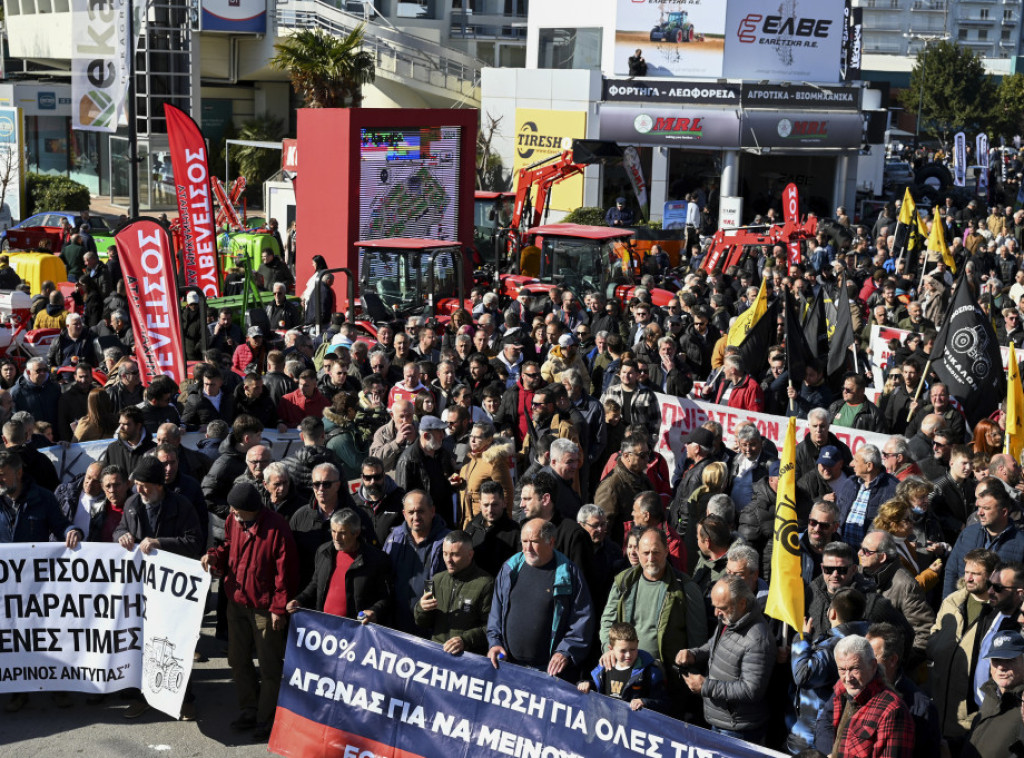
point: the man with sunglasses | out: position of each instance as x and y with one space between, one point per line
311 524
380 498
839 569
936 466
822 529
1005 594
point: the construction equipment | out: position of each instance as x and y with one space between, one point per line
729 246
165 671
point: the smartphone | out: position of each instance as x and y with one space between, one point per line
428 587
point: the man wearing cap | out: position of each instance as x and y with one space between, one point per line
259 563
997 726
821 482
564 355
818 436
699 445
252 352
192 327
425 465
620 215
510 358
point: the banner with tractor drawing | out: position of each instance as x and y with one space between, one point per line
99 619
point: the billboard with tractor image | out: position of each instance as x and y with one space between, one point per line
677 37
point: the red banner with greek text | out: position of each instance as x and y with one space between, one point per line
148 269
791 215
195 207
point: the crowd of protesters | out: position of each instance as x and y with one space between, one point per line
508 498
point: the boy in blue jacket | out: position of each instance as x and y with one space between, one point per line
634 675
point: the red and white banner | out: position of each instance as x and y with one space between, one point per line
148 268
195 207
791 215
680 416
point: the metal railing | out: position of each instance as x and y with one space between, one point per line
399 56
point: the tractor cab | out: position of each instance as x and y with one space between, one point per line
410 277
492 214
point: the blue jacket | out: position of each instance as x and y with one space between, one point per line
814 677
1009 546
37 518
572 623
882 489
646 681
410 570
40 401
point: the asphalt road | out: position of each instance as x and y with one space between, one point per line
100 731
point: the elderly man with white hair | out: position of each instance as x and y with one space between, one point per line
859 496
808 450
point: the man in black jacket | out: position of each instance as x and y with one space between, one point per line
245 433
312 453
310 524
282 313
380 498
366 583
251 397
495 536
73 344
133 441
157 408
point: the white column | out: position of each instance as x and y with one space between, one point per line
658 181
730 173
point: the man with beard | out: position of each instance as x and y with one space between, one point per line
425 465
514 411
822 529
545 423
495 536
251 397
936 466
627 480
539 501
994 530
156 519
380 498
392 439
133 441
72 405
156 408
897 403
953 501
127 390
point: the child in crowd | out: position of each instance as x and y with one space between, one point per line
634 675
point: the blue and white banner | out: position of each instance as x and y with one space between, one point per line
353 690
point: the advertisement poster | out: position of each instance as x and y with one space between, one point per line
677 37
544 134
791 40
11 152
674 215
235 16
730 212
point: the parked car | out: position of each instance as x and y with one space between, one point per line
27 234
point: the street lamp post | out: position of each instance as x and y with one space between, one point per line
926 39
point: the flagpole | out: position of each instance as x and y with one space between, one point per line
920 386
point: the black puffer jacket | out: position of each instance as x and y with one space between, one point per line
368 582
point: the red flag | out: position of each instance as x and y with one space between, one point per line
148 269
791 215
195 208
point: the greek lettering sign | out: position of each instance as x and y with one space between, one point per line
351 690
682 93
99 619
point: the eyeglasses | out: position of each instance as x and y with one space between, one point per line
841 570
373 477
535 404
851 390
936 443
322 485
815 524
889 455
597 525
534 375
998 588
868 553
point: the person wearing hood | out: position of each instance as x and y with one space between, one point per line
565 355
489 460
35 392
510 357
53 316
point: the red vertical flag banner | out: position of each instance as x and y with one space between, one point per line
791 215
195 206
148 269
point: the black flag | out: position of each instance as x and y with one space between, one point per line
798 352
754 348
966 356
839 324
814 326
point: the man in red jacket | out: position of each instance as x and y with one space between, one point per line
260 565
307 400
739 390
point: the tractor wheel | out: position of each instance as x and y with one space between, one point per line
156 680
935 175
654 35
679 36
176 679
689 35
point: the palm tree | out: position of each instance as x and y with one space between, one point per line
257 164
328 71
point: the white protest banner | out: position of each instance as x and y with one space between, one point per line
99 619
681 415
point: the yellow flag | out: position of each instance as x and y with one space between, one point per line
910 218
746 320
937 243
786 590
1014 437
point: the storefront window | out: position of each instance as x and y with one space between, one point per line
570 48
46 140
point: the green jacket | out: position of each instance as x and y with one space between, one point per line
682 622
463 605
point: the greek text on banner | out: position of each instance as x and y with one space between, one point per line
349 688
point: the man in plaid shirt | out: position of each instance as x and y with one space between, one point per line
870 719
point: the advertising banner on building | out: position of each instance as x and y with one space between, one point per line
99 619
960 159
235 16
635 172
195 207
680 416
677 92
678 37
730 212
12 170
149 280
353 690
798 40
796 129
543 134
99 65
664 125
800 96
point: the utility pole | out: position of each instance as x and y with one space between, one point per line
133 136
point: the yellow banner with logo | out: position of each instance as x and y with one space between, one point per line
542 134
786 588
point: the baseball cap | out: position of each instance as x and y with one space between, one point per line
773 469
192 297
701 436
432 424
254 331
567 340
620 201
1006 644
341 340
515 338
829 456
